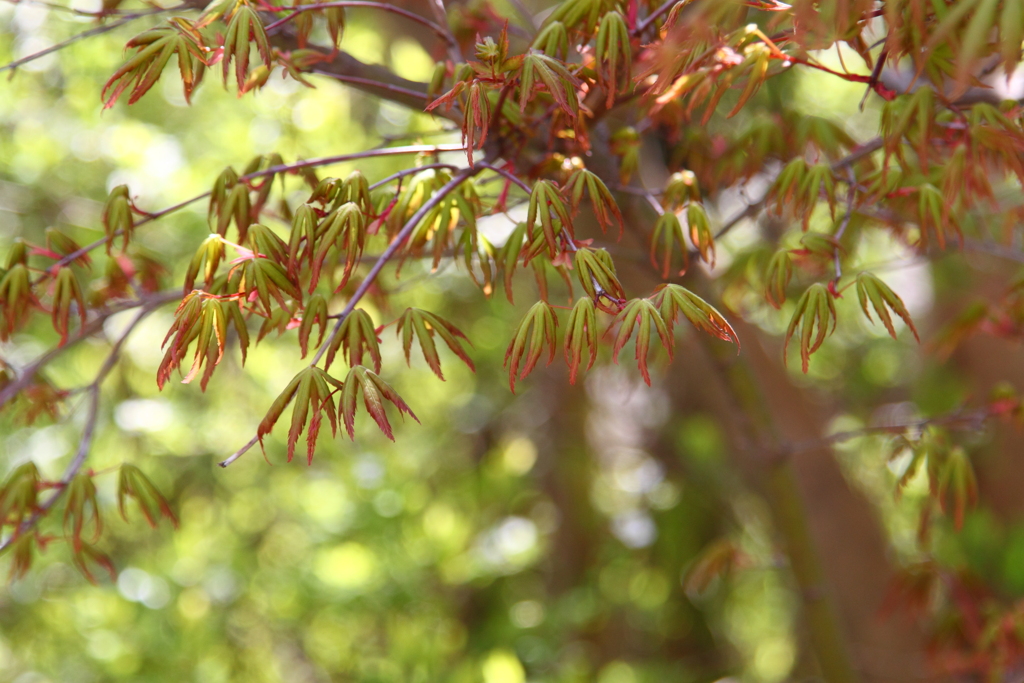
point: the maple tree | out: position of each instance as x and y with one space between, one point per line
649 171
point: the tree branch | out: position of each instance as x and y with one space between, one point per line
99 30
26 375
85 444
280 168
367 282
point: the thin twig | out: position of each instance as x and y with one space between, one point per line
84 445
99 30
367 282
441 13
506 174
646 23
956 420
385 7
280 168
356 80
850 196
28 373
531 23
410 171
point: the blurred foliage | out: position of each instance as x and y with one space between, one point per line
598 532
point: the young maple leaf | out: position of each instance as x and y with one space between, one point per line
229 200
871 288
85 555
313 396
16 299
203 319
425 325
538 327
356 337
605 208
155 48
641 314
244 25
613 55
541 70
673 300
133 483
777 277
375 391
815 314
579 331
344 229
596 273
19 495
669 253
66 291
546 199
315 313
700 232
80 506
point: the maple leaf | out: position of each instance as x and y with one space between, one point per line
80 506
815 315
133 483
871 289
424 325
540 69
580 331
669 253
538 327
66 290
155 48
777 277
547 206
374 391
673 300
605 208
244 24
312 393
641 315
344 229
356 337
595 271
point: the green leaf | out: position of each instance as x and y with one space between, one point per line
871 288
669 253
424 325
601 200
312 392
374 391
117 216
673 300
80 506
538 327
777 277
596 273
356 337
344 229
641 314
547 207
133 483
581 331
66 291
815 315
244 22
